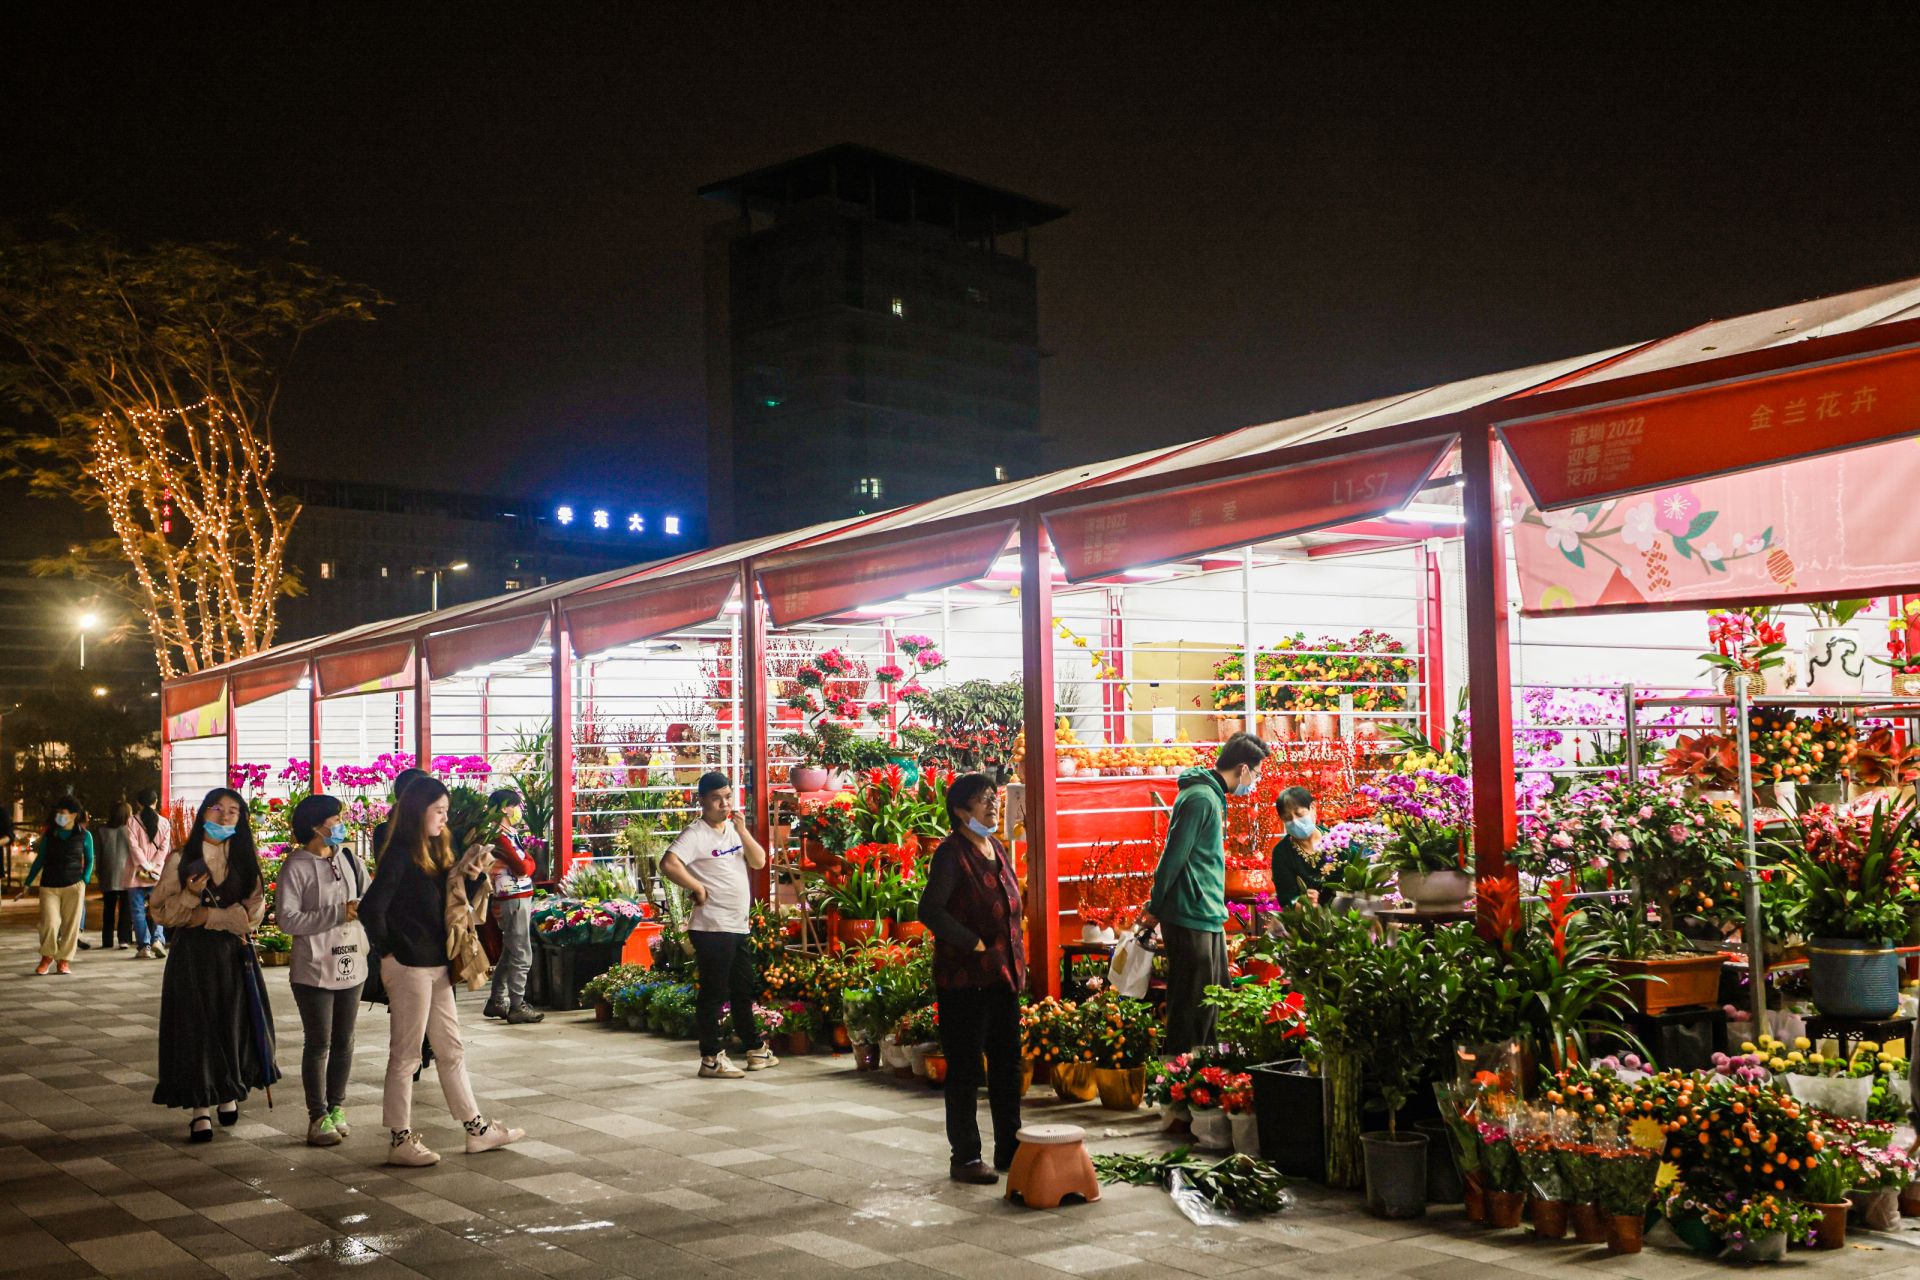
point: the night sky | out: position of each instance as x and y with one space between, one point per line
1276 207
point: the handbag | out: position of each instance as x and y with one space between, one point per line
1132 967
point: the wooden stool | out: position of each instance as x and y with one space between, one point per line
1051 1164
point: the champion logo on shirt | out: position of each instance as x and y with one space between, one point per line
723 853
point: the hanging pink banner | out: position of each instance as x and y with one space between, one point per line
1830 527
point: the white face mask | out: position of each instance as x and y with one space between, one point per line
63 820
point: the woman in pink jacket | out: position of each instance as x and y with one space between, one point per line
151 837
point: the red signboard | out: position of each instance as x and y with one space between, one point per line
1103 538
642 610
816 585
1632 446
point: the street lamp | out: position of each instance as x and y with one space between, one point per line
86 622
435 570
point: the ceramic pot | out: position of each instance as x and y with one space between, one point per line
1212 1130
1397 1174
1503 1207
1854 978
1589 1224
1833 1225
851 933
1073 1081
1435 888
1120 1088
841 1040
807 777
1624 1231
1836 661
936 1064
907 931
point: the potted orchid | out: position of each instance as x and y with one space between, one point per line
1902 659
1429 814
1836 660
1747 643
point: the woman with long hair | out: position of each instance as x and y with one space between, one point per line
419 888
210 896
150 838
318 905
62 864
113 862
972 907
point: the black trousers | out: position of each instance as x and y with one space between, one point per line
974 1020
114 905
1195 961
727 976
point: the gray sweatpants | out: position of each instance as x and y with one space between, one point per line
515 918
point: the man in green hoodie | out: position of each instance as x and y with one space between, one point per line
1189 900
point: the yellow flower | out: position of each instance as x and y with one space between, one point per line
1801 1042
1648 1132
1666 1175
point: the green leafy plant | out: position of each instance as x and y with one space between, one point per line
1237 1184
1855 873
1121 1032
975 724
1836 613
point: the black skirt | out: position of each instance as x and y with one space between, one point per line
209 1051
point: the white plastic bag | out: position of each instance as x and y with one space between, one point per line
1132 967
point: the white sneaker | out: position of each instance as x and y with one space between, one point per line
760 1059
718 1068
321 1133
409 1152
495 1135
144 953
160 950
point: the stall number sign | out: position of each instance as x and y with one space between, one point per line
1593 454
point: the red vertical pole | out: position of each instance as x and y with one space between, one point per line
1036 669
233 730
753 710
1433 644
315 771
166 763
562 743
1490 691
422 706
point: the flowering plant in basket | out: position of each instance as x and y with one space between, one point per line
1745 641
1880 1167
919 1026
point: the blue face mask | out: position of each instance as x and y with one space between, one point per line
1300 828
220 832
335 838
1245 788
979 828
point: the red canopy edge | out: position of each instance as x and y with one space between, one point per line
833 578
609 618
192 694
451 652
1096 539
256 684
348 672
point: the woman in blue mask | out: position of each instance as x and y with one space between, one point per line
1296 857
318 905
210 898
972 907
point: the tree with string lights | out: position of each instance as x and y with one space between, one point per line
150 375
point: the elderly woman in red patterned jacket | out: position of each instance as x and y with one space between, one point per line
972 907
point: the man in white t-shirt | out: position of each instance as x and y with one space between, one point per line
710 861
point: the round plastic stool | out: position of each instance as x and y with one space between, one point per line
1052 1164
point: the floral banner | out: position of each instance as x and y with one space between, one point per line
1827 527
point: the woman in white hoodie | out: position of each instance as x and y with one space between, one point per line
318 905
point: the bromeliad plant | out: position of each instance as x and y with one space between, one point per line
1855 873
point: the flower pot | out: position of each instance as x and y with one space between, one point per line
1246 1134
1026 1075
602 1011
1396 1167
917 1057
1676 982
1832 1232
1756 682
908 930
1443 1174
893 1055
807 777
936 1064
1120 1088
1474 1199
1910 1200
1624 1232
1212 1130
799 1043
1291 1105
1435 889
866 1057
1073 1081
851 933
1854 978
1248 883
1907 684
1504 1208
1877 1210
1549 1218
1836 661
1589 1223
1771 1247
841 1040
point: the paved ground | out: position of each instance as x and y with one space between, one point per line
632 1168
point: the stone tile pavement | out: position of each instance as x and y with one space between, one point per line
632 1167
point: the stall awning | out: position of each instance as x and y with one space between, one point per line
374 669
257 684
644 610
183 696
814 583
1096 539
451 652
1633 445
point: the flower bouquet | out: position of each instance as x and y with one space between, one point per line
1759 1229
1537 1137
1624 1176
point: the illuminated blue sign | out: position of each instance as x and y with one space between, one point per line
601 520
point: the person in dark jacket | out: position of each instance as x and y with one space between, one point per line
1296 858
406 918
401 781
1189 899
62 864
972 907
113 865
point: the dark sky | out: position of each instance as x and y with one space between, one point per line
1276 206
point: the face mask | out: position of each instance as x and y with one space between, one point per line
220 832
1300 828
63 820
979 828
335 838
512 816
1245 788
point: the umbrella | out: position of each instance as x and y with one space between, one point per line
255 984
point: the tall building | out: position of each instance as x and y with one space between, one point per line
872 339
